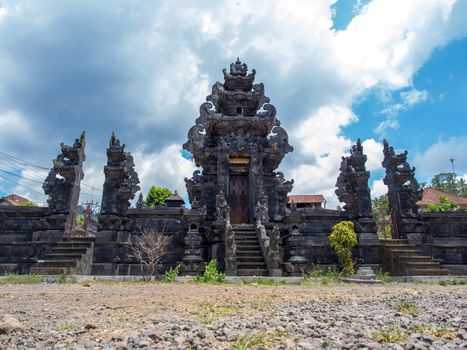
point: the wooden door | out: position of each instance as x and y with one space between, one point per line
238 199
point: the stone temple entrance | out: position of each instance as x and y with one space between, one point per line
239 199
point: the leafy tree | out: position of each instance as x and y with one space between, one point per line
343 239
157 196
449 183
28 204
444 205
382 216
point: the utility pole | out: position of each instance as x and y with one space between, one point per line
452 163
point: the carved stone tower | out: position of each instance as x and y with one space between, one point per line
403 189
62 184
352 183
238 142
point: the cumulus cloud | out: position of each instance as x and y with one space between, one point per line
378 188
436 158
142 69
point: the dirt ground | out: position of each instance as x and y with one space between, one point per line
100 315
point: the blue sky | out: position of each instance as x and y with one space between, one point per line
335 70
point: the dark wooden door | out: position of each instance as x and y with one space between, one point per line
238 199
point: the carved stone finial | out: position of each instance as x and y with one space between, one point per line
352 183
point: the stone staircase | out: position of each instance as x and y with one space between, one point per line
403 259
72 254
250 260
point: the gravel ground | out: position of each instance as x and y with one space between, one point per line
193 316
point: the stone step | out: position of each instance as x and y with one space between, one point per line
241 259
251 265
243 227
408 258
247 244
257 252
245 234
394 241
252 272
406 251
74 244
78 239
426 272
62 256
57 263
246 241
69 250
422 264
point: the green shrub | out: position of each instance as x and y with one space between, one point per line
171 274
444 205
211 274
452 282
63 278
324 275
383 276
343 239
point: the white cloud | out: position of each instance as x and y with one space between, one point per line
436 158
374 151
15 130
171 53
166 168
378 189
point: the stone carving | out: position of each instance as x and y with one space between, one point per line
230 252
192 261
237 121
297 261
262 210
352 183
62 184
222 208
403 189
140 202
121 180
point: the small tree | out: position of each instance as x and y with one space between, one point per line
444 205
343 239
157 196
148 249
382 216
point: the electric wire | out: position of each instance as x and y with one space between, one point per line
24 163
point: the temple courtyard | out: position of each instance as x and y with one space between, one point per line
312 315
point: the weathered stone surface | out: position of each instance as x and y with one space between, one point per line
9 324
352 183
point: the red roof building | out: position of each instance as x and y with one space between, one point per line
13 200
307 200
431 195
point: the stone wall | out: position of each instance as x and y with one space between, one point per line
442 236
20 246
111 255
316 225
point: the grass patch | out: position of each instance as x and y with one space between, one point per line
259 340
390 335
64 327
12 278
384 277
452 282
439 332
324 275
249 342
209 312
407 307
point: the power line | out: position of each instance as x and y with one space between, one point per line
24 163
22 177
17 183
